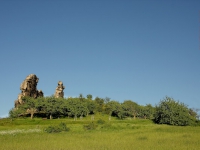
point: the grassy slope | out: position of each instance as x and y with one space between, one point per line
116 134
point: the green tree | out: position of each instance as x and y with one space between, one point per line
91 105
130 108
29 106
52 106
173 112
76 108
100 104
106 99
81 97
194 112
89 96
15 113
147 112
114 108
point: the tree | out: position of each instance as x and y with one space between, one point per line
114 108
194 112
81 97
29 105
89 96
53 106
15 113
130 108
107 99
100 104
173 112
75 108
91 105
147 112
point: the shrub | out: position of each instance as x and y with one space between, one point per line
55 129
100 121
90 126
63 126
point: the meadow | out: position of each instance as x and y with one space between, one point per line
128 134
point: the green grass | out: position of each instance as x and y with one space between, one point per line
111 135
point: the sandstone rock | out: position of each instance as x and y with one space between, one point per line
40 93
29 88
59 90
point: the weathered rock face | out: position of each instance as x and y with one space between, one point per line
29 88
59 90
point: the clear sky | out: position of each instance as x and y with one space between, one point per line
125 50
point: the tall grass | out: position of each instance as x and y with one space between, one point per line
111 135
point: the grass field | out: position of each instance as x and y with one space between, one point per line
129 134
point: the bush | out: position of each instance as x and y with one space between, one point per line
172 112
100 121
52 129
55 129
90 126
63 126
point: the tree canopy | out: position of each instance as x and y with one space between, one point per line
168 111
173 112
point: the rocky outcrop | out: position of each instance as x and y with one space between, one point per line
59 90
29 88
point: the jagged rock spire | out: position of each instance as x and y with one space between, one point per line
29 88
59 90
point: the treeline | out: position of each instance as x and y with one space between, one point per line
168 111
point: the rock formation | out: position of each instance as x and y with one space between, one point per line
29 88
59 90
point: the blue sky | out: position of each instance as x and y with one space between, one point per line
125 50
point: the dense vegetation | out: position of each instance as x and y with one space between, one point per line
168 111
173 112
80 107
